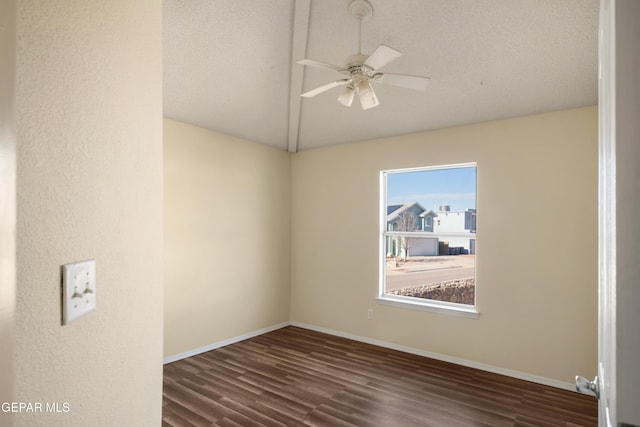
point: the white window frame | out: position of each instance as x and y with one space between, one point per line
443 307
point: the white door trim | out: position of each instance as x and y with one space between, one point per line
607 215
7 200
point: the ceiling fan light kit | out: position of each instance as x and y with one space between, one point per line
368 97
362 69
347 95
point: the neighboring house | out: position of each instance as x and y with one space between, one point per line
414 217
457 222
423 218
395 214
427 219
410 217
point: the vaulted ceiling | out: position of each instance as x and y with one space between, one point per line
230 65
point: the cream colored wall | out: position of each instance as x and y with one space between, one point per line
537 242
89 131
227 212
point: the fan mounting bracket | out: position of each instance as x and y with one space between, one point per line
361 9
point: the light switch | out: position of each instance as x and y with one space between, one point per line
78 289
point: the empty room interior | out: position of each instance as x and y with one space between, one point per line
169 142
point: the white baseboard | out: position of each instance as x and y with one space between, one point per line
223 343
444 358
385 344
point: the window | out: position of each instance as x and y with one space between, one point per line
427 252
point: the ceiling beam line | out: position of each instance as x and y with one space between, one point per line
299 34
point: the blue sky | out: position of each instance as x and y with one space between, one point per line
432 188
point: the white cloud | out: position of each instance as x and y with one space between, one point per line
441 198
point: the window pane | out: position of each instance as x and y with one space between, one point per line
431 220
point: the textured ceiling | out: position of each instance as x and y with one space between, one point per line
228 65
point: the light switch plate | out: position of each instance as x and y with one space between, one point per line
78 289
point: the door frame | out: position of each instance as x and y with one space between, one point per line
606 215
619 202
7 200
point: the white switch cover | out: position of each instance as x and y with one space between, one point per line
78 289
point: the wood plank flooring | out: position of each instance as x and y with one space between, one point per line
297 377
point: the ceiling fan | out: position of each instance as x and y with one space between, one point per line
362 69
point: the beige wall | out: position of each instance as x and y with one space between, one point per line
537 242
89 130
227 210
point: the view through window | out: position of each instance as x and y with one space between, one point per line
429 234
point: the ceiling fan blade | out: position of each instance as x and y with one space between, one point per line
368 98
403 80
324 88
318 64
381 57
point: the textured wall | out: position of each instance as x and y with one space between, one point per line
89 128
537 242
227 210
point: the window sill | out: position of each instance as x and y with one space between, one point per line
452 309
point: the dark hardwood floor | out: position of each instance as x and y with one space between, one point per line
293 377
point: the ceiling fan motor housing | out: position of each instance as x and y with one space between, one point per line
356 60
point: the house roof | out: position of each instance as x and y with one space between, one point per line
459 211
429 212
391 208
391 216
